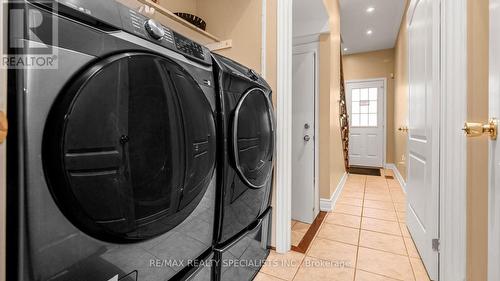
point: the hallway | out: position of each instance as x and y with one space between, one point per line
363 239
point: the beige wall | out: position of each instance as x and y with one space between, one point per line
182 6
378 64
330 146
477 148
324 115
240 21
401 100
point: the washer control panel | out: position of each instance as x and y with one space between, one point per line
189 47
115 15
138 24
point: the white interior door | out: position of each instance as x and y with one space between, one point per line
423 136
303 123
365 106
494 161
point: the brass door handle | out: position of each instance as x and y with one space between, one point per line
403 129
4 127
479 129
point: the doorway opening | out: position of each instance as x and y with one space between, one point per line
310 20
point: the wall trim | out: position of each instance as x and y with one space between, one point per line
327 204
284 127
397 174
453 144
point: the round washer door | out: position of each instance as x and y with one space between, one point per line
129 147
253 138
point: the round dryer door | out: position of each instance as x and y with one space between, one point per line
253 138
129 147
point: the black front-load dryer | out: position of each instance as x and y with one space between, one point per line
112 153
246 131
246 146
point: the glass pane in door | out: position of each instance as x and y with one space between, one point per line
364 107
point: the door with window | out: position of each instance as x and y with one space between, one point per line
365 106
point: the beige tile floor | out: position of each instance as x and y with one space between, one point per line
363 239
299 229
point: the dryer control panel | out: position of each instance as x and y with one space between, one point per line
152 30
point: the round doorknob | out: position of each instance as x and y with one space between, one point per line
403 129
478 129
307 138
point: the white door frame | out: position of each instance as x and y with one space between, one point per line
384 139
453 146
284 15
303 48
453 150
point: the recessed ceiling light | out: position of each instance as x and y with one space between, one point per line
370 9
345 49
369 32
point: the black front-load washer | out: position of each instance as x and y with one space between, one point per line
246 128
112 153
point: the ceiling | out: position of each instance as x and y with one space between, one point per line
384 22
309 17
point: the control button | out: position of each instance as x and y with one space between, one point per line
154 29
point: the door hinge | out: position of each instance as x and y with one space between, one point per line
435 245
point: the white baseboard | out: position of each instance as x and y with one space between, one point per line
327 205
398 175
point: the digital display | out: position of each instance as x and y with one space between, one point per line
189 47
